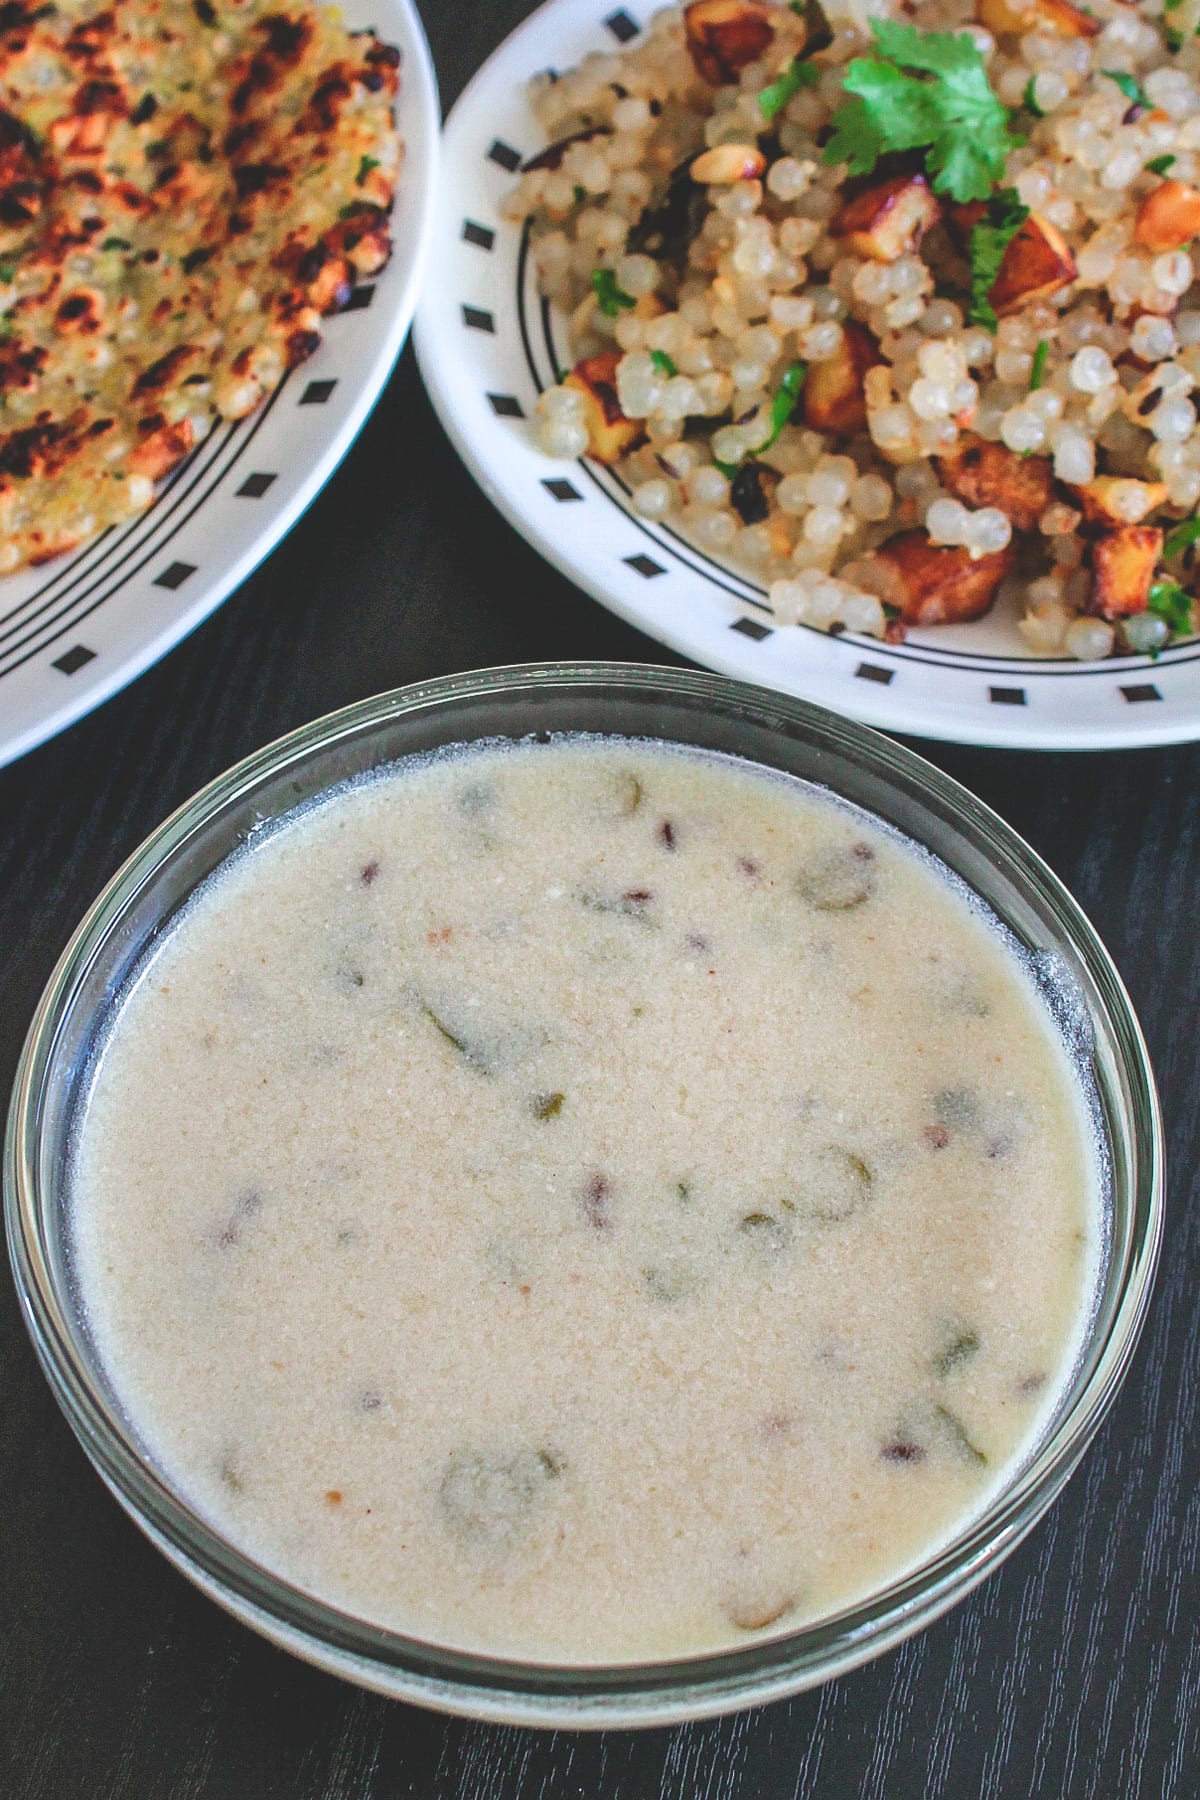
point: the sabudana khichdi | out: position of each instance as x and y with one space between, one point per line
893 307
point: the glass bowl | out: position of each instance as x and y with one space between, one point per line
1078 979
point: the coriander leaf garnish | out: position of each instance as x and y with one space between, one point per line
1174 39
663 363
798 74
990 238
364 168
1181 537
1172 603
1159 165
787 395
784 403
8 271
1135 94
1038 371
953 115
610 298
1028 101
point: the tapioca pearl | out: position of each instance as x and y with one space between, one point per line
1173 421
653 499
825 526
788 600
637 275
563 437
788 178
715 530
708 487
930 399
1022 430
560 403
871 499
1152 339
988 531
863 613
1089 639
1146 633
822 340
1047 403
831 481
1173 272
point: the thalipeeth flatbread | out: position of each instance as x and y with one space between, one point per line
186 187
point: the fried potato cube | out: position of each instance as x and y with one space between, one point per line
610 433
1168 218
1058 18
939 584
1118 500
1123 564
888 219
834 390
1036 264
723 36
985 474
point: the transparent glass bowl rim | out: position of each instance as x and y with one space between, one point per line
565 1694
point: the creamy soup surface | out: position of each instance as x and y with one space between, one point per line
586 1201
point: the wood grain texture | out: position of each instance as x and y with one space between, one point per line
1073 1674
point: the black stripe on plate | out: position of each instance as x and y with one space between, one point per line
74 659
479 235
175 575
256 485
753 628
622 26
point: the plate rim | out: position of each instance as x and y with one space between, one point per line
911 716
419 113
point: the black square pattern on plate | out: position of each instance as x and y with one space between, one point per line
645 566
875 672
1007 696
562 490
505 155
175 574
622 26
256 485
317 393
751 628
1144 690
73 659
506 406
360 297
479 235
476 319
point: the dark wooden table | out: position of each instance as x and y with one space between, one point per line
1073 1672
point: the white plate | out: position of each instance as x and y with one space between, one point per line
77 629
487 345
